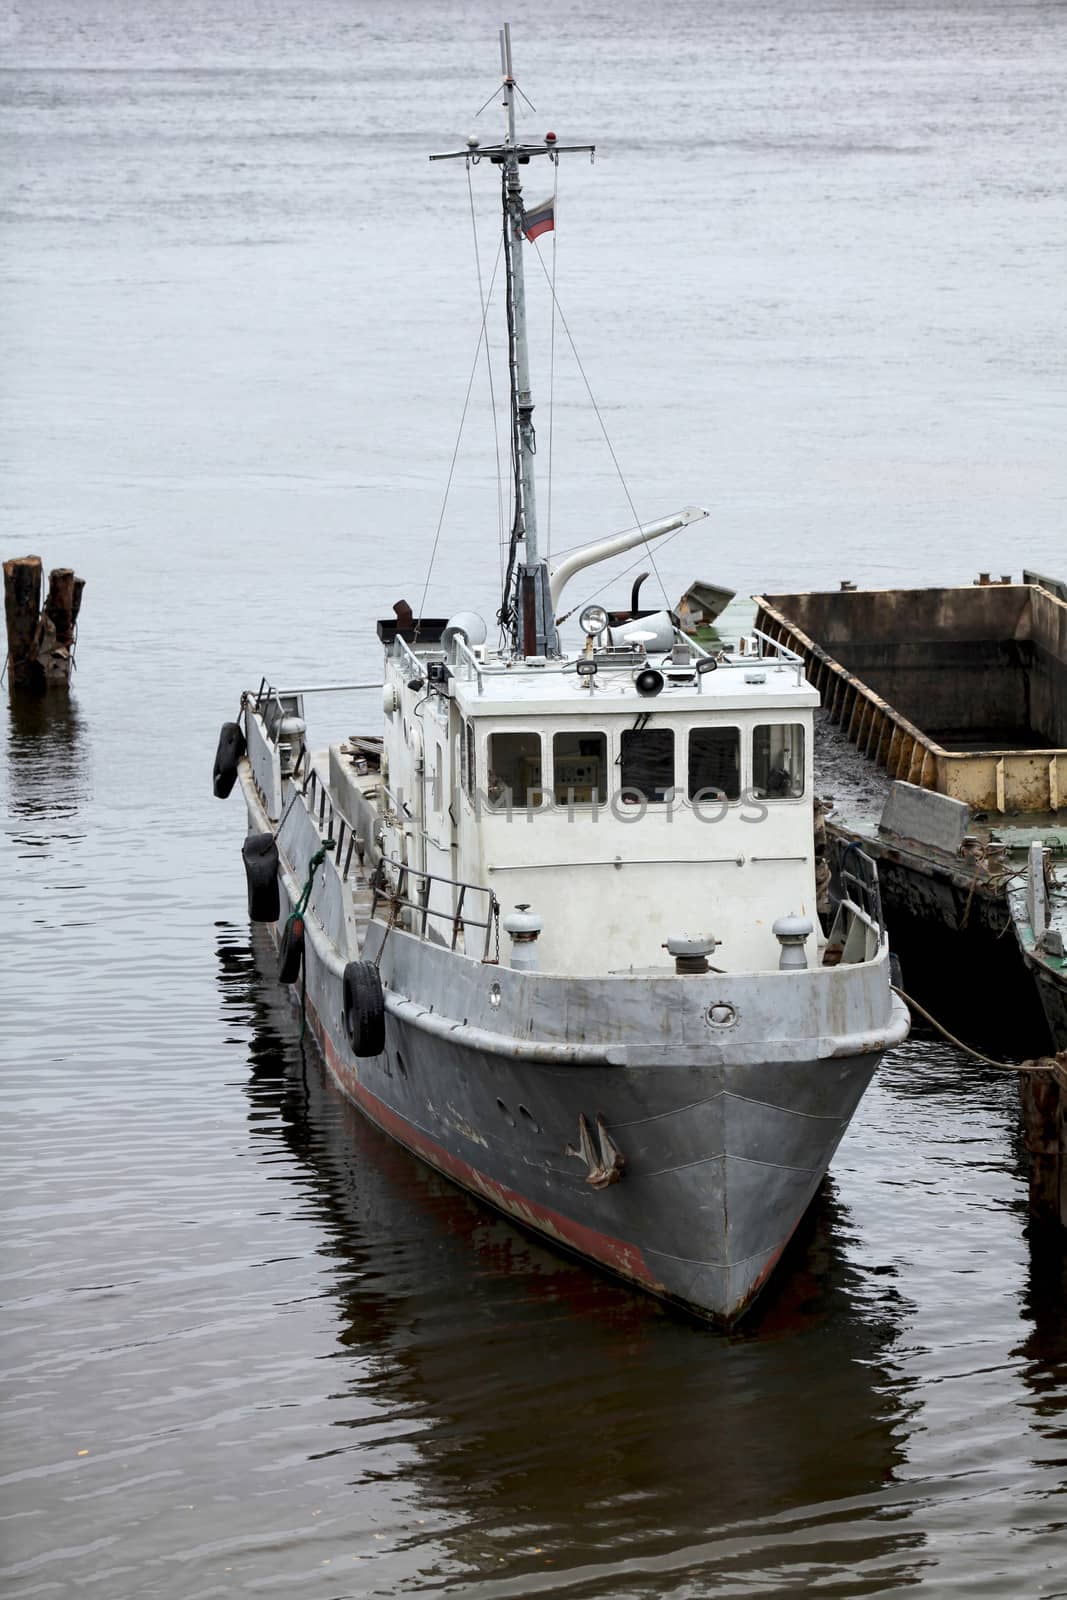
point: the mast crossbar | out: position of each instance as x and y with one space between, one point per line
522 153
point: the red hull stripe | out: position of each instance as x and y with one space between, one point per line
622 1257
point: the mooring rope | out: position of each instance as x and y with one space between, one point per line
1042 1064
297 915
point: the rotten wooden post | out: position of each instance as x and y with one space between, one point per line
40 641
1043 1099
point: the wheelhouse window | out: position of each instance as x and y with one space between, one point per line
579 768
514 770
715 763
778 761
646 763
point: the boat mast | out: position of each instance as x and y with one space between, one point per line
526 608
525 443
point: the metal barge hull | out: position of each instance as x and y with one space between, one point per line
959 693
962 691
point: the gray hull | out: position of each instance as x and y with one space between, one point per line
721 1138
608 1114
720 1162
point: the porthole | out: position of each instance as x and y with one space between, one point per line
505 1113
721 1015
494 995
400 1066
529 1118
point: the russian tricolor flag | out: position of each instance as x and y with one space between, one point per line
539 219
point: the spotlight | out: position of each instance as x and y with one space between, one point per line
593 621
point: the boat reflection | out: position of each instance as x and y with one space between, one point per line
551 1406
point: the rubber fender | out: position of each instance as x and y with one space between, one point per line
230 750
291 950
364 1008
260 853
896 976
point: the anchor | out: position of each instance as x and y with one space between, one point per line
601 1154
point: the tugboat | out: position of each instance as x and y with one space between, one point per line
556 931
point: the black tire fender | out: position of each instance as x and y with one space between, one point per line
364 1008
291 950
260 854
231 748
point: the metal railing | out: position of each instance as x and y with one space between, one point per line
268 705
858 878
463 654
416 667
405 878
777 647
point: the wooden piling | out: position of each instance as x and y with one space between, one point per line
59 607
22 605
40 641
1043 1099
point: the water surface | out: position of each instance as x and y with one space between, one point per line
816 284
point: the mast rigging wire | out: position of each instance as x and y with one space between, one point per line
551 367
455 453
592 400
483 303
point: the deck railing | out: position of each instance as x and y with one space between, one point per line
858 877
406 878
858 932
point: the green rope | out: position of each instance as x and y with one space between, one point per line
297 914
313 866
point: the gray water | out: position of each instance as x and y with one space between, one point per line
816 282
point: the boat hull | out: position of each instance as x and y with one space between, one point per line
1052 992
719 1161
610 1115
712 1189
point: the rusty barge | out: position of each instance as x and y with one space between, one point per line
957 698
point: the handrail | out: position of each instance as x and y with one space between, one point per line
404 649
264 698
460 647
868 897
329 688
779 648
381 890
